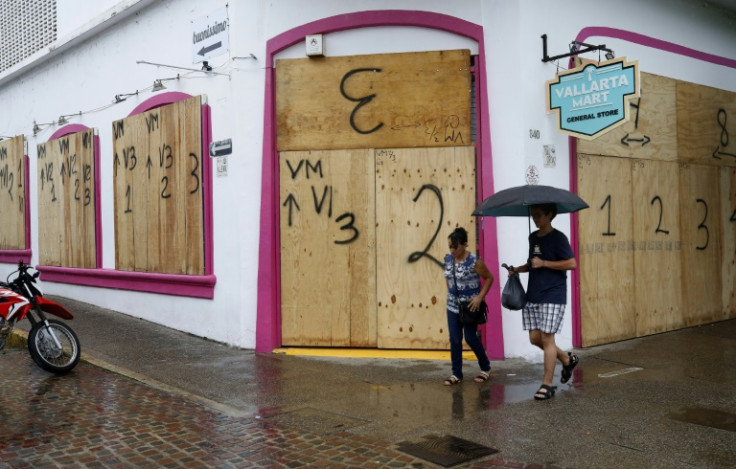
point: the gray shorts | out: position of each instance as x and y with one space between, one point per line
546 317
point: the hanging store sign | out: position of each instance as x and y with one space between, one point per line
594 98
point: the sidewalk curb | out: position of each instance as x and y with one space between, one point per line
19 339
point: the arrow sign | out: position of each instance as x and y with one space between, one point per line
221 147
206 50
210 35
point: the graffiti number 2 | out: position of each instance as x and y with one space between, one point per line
415 256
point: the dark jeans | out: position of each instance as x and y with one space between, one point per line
456 329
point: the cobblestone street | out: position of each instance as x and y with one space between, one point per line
147 396
95 418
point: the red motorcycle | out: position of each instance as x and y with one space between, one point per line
52 344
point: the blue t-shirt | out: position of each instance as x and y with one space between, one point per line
468 281
548 285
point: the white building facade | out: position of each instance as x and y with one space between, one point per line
112 62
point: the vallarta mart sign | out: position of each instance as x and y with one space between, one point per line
593 99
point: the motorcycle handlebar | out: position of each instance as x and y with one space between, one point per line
23 272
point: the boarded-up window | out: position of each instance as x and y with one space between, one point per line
12 194
374 101
66 201
158 190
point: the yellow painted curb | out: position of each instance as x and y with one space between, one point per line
370 353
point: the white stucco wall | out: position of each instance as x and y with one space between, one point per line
85 74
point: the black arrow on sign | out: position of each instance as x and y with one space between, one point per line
208 49
626 139
291 202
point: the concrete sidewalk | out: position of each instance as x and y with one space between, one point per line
661 401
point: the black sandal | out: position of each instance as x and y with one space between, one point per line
545 392
482 377
452 380
567 369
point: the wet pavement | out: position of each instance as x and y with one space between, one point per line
148 396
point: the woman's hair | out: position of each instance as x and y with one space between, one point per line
458 236
548 209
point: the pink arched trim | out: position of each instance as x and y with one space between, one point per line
12 256
68 130
647 41
268 320
197 286
162 100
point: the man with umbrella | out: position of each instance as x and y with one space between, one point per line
550 257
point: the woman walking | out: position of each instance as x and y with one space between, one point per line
463 273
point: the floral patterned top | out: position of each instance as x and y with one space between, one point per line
468 281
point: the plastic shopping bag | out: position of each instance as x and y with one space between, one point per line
513 296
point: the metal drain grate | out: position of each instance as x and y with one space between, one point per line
446 450
707 417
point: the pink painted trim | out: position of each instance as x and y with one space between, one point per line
12 256
159 100
68 130
493 329
196 286
646 41
654 43
98 204
209 244
268 321
577 335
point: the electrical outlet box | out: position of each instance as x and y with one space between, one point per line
315 45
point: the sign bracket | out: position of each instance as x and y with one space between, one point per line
574 50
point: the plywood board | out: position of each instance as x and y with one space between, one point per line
158 190
328 276
606 250
652 131
422 195
706 125
656 218
700 224
379 101
66 201
728 237
12 193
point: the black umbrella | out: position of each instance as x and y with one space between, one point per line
517 201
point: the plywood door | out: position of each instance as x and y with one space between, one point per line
606 252
700 206
328 248
656 219
422 195
363 235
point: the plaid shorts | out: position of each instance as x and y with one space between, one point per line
546 317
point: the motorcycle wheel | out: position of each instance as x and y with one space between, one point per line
47 354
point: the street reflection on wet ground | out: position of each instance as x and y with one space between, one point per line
179 401
91 417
